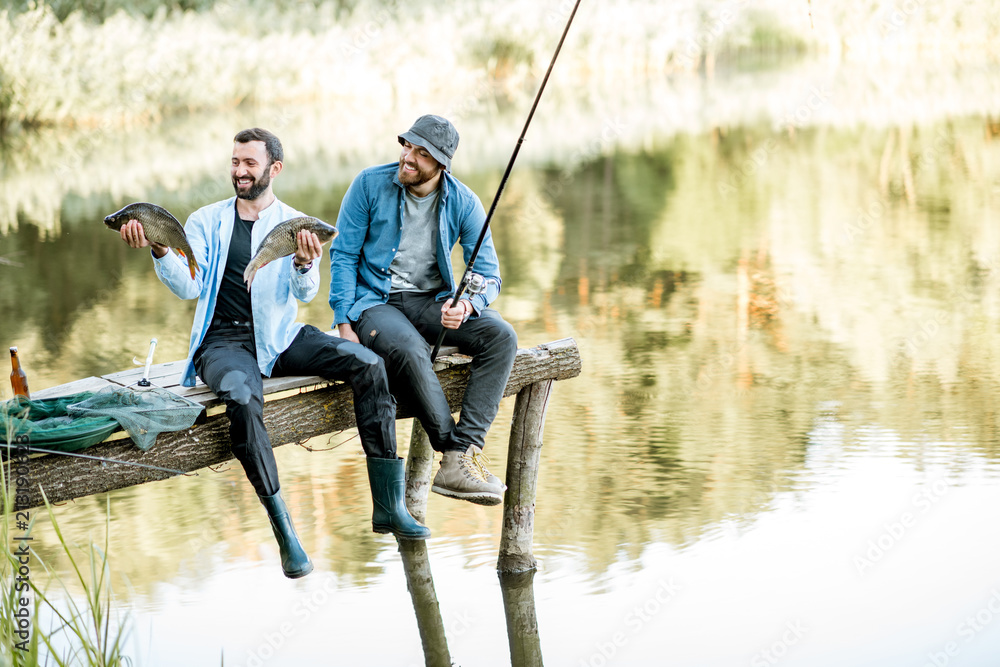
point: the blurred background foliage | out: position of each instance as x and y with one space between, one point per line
121 63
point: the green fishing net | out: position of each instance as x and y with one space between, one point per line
45 423
77 421
144 412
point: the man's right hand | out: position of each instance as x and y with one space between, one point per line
346 332
133 235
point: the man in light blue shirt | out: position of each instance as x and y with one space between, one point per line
241 334
390 289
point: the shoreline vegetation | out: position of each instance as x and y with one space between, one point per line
47 617
54 175
121 63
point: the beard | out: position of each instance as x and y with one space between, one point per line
257 187
414 179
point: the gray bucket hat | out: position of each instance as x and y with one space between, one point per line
437 135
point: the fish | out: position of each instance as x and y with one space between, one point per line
159 226
281 242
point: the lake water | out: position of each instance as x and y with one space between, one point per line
783 448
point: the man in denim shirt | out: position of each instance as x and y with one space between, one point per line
391 286
241 334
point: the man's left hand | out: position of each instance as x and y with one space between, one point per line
307 248
452 318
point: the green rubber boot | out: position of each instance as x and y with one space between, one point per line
294 561
389 514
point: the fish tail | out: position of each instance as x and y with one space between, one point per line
192 262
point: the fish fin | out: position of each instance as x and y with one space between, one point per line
248 275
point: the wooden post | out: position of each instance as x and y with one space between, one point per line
419 462
522 478
420 583
522 622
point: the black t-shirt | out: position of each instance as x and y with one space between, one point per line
233 302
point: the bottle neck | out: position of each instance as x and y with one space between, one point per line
15 364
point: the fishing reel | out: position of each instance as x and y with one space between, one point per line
477 283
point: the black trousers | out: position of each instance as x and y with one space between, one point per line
227 362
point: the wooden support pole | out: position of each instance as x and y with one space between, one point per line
419 462
522 622
522 478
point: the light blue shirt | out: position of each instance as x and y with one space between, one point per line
275 287
370 227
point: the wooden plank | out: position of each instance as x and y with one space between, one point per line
168 376
163 375
304 382
75 387
290 419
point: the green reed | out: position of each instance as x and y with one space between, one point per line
125 63
87 632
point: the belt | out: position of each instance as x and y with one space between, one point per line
220 323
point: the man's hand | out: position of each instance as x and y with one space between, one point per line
132 234
452 318
346 332
308 248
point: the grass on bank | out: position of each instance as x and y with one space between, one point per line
87 632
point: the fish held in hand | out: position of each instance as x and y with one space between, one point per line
283 241
159 226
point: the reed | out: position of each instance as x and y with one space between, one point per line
137 65
87 632
15 650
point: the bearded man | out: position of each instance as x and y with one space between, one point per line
391 288
242 334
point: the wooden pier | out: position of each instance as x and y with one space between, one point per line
297 408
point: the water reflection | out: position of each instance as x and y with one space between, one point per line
775 321
518 607
522 621
712 321
420 583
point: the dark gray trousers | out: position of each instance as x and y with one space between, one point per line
403 332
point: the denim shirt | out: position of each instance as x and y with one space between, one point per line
370 226
276 286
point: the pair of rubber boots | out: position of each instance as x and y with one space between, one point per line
386 478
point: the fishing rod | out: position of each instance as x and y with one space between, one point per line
39 450
503 182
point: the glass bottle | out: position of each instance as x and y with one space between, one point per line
18 380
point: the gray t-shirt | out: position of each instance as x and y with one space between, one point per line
415 266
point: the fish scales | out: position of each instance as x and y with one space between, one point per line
283 241
158 225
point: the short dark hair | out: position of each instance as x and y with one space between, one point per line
271 142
